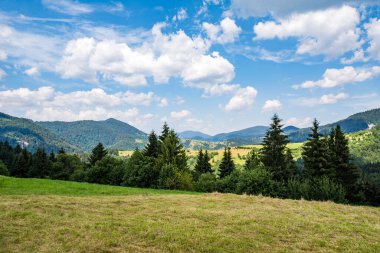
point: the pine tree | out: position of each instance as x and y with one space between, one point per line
346 173
21 164
203 165
172 151
290 163
41 165
98 153
252 161
165 131
151 149
316 156
227 165
273 151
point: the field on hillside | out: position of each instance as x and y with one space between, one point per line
238 153
60 220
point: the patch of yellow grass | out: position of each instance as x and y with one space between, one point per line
184 223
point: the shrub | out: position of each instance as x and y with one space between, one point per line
3 169
228 183
206 183
255 181
109 170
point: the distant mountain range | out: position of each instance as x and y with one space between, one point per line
82 136
255 135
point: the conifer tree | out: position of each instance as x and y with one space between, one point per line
41 165
290 163
273 151
21 164
227 165
346 173
203 165
315 155
165 131
172 151
98 153
252 161
151 149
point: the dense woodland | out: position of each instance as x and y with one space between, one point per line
325 172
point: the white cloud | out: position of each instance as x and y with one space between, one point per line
332 98
272 105
69 7
166 56
180 114
181 15
299 122
2 74
33 71
373 31
3 55
163 102
358 56
220 89
242 99
226 32
339 77
281 8
331 32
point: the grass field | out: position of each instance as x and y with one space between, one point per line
93 218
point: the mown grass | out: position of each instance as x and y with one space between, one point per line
32 186
54 222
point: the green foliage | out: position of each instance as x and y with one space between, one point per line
3 169
203 163
273 154
252 161
141 171
227 165
41 164
65 166
316 155
108 170
97 154
206 183
152 148
255 181
229 183
171 177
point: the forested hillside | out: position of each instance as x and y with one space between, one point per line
85 134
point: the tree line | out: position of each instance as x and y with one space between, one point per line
326 171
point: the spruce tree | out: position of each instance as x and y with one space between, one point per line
316 156
252 161
151 149
227 165
41 165
165 131
346 173
291 166
203 165
21 164
172 151
98 153
273 154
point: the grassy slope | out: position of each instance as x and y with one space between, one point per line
176 222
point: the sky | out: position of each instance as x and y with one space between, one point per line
205 65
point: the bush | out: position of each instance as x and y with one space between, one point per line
171 178
141 171
3 169
255 181
109 170
229 183
206 183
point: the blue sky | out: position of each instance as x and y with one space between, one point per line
207 65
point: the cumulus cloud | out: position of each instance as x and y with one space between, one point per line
163 102
180 114
358 56
331 32
339 77
332 98
373 33
226 32
3 55
220 89
299 122
45 103
323 100
272 105
166 56
242 99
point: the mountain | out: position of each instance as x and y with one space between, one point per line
76 136
28 133
255 135
86 134
194 135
